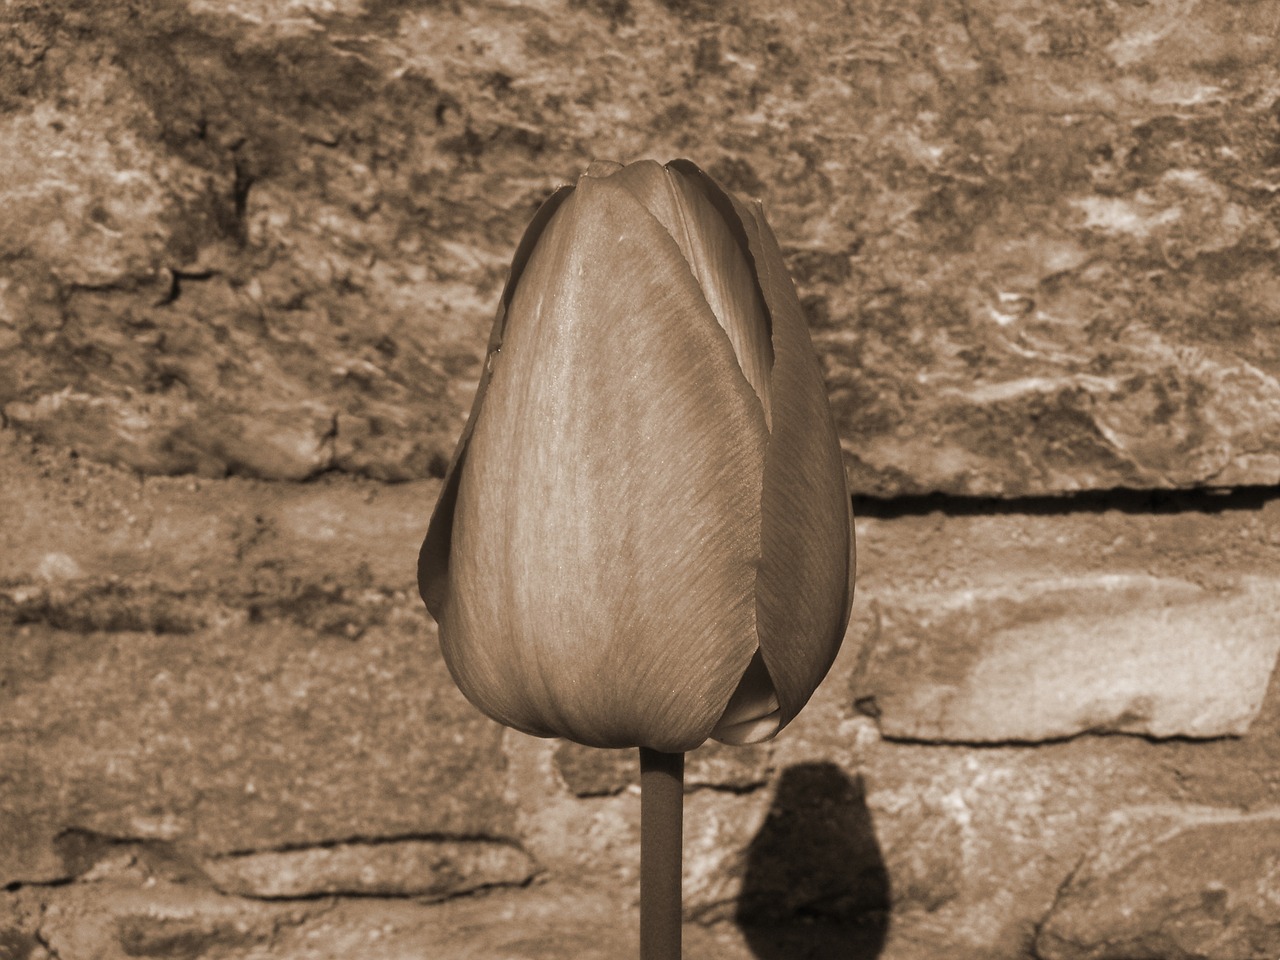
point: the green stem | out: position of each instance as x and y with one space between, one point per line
661 836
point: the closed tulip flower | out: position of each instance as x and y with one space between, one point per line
644 539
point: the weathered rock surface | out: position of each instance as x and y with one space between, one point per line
1175 884
234 668
970 845
237 738
112 920
977 841
1036 244
1041 660
430 869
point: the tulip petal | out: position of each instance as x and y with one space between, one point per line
433 557
606 533
718 262
603 168
804 589
752 714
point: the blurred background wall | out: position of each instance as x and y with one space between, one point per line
249 257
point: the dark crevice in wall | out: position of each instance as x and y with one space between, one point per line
1207 500
320 896
42 939
370 840
1033 947
13 886
1041 741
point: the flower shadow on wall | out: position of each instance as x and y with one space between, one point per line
816 887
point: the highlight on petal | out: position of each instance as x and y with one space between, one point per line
606 531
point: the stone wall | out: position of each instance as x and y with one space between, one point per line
250 256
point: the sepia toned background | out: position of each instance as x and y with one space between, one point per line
249 256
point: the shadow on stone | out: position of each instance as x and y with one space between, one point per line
815 887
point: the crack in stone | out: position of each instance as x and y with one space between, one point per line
13 886
1032 742
43 939
331 898
991 68
1033 948
372 840
177 278
328 449
1206 500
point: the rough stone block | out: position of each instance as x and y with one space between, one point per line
267 622
978 839
968 844
1190 884
237 666
116 920
244 737
77 529
1046 659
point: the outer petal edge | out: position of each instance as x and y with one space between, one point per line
805 583
433 556
806 578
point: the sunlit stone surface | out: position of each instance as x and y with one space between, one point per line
1036 244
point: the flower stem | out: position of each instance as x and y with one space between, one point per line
661 836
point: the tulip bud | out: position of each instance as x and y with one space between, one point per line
644 538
